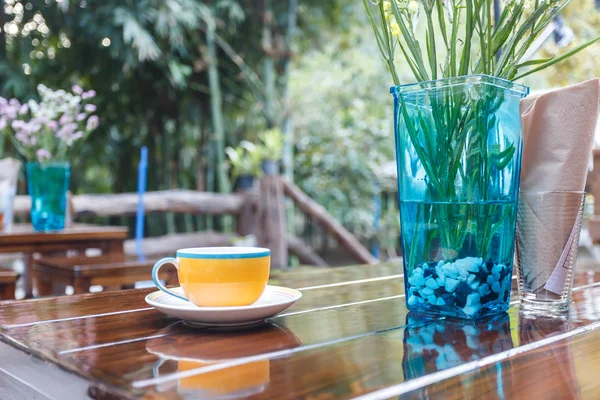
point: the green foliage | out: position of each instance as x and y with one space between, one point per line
389 231
488 47
272 144
245 159
584 18
342 110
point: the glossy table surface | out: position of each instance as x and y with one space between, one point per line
349 336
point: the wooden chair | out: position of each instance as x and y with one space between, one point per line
53 274
8 281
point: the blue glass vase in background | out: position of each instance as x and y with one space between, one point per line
458 153
48 185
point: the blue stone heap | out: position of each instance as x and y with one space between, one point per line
467 283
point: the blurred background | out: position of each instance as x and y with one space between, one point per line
189 78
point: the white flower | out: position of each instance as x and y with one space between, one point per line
23 109
3 123
33 106
77 89
42 89
413 7
90 108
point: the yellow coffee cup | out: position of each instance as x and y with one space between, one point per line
219 276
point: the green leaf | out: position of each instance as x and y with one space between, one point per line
561 58
442 21
534 62
501 160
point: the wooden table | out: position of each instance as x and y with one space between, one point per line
350 336
8 279
23 239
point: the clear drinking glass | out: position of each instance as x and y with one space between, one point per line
7 197
548 227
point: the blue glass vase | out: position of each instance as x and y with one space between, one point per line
48 185
458 153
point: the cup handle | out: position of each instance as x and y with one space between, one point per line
160 263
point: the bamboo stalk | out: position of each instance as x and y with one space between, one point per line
216 107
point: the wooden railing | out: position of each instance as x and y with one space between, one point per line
183 201
243 205
320 215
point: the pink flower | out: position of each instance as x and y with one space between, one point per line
90 108
23 109
64 119
81 117
22 137
53 125
66 130
92 123
74 137
77 89
11 111
43 154
88 95
3 123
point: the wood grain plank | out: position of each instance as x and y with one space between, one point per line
359 366
32 311
83 332
364 345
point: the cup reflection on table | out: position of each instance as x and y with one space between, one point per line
201 349
241 380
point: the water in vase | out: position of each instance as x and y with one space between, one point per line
458 256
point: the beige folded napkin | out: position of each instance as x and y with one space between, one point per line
558 135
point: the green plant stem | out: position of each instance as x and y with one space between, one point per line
466 54
431 50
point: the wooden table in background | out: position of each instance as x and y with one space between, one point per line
349 336
23 239
111 271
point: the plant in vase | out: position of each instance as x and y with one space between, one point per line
245 161
458 142
45 133
272 150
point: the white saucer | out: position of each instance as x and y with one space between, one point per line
274 300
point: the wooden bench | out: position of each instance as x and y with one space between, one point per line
8 281
53 274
